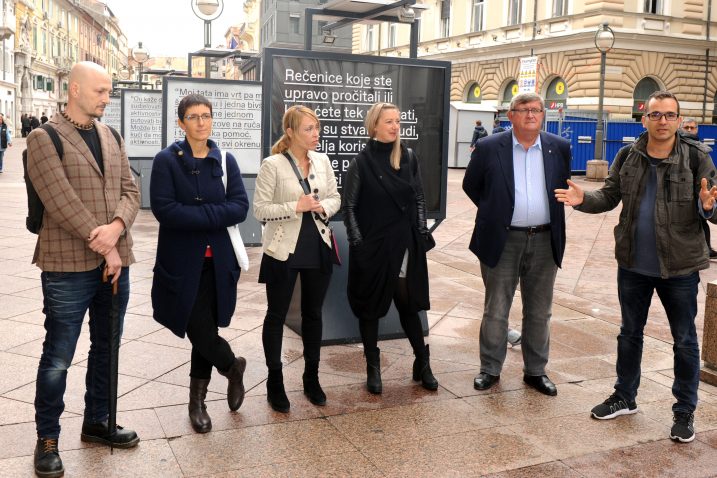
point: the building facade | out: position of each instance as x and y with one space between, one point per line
659 44
7 64
51 36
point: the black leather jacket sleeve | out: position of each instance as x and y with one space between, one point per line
351 194
421 223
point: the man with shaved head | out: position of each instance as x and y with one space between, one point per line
90 200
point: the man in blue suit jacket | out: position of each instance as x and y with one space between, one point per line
519 236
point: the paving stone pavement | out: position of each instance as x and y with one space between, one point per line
509 431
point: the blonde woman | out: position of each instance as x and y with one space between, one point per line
296 242
385 217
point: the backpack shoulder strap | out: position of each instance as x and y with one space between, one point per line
622 156
694 160
55 139
117 136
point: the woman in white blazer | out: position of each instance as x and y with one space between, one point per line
296 241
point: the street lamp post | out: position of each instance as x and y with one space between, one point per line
604 41
140 55
207 10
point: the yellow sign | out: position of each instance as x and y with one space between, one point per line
514 90
476 91
560 87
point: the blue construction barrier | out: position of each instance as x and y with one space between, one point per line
581 135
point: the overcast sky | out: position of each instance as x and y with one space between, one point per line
169 27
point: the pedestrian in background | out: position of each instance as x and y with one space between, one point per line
91 201
478 132
296 242
25 125
34 122
5 139
385 217
196 272
497 128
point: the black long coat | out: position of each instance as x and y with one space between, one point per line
386 211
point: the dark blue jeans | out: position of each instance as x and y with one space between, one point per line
679 298
67 297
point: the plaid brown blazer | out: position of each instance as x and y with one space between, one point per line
78 198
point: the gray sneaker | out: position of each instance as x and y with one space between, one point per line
514 337
613 407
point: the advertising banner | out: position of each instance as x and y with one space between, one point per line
236 111
341 89
528 75
142 122
113 113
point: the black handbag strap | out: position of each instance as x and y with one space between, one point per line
303 184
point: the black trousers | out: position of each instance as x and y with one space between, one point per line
209 349
410 322
314 285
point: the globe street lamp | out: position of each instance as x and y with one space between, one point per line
207 10
140 55
604 40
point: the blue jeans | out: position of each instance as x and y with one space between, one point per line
67 297
679 298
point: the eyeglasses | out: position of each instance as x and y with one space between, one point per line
204 117
657 116
525 111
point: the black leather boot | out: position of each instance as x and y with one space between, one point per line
235 389
275 393
100 433
201 422
422 370
312 388
373 371
47 459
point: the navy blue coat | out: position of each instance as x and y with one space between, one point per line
490 183
188 199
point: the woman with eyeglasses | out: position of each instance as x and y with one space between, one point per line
385 217
196 272
295 196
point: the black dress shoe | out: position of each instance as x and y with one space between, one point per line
99 433
541 383
485 380
47 459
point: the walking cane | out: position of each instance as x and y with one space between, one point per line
113 361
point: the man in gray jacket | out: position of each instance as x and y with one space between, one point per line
662 180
